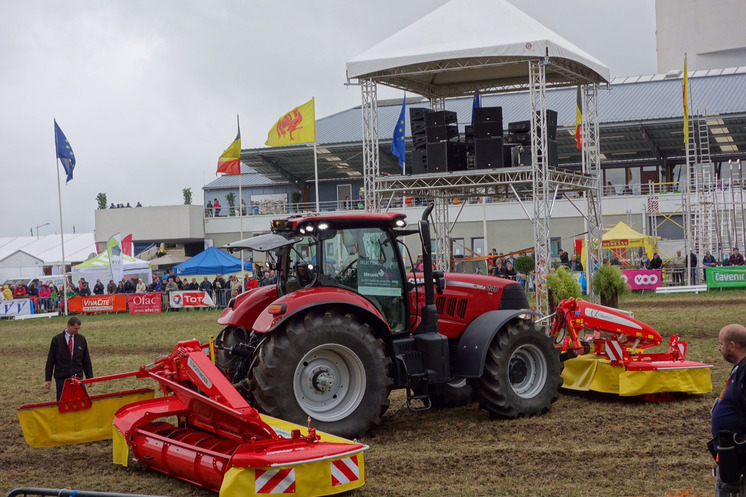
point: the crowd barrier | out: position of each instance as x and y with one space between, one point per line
134 303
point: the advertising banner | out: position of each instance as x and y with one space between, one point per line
190 299
99 303
144 303
643 279
17 307
726 277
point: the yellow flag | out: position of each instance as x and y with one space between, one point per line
297 126
686 103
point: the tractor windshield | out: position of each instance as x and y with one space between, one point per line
362 260
365 261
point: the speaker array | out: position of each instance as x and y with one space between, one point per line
435 139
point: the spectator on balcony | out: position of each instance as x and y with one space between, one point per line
208 209
216 207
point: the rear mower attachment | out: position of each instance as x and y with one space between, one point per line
200 430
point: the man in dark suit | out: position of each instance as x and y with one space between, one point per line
68 357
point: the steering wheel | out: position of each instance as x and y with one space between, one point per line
348 274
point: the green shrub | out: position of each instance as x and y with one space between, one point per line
563 285
608 282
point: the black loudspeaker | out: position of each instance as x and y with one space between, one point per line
419 142
440 118
519 127
440 133
446 156
488 153
419 162
488 129
553 147
522 138
418 127
417 114
488 114
551 124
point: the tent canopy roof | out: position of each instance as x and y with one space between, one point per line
102 260
210 261
469 45
623 232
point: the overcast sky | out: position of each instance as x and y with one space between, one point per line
147 92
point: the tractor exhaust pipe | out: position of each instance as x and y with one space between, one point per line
429 312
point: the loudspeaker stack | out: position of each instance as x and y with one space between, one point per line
488 137
444 152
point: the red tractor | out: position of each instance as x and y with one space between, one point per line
346 322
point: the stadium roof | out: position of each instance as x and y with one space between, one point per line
641 124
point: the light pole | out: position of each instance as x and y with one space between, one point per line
37 229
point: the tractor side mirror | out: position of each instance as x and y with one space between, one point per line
440 281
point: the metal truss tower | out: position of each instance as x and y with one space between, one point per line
591 155
370 143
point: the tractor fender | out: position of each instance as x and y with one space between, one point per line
309 298
476 339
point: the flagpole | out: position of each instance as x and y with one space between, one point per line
316 175
688 197
62 233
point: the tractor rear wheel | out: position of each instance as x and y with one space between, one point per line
325 365
522 370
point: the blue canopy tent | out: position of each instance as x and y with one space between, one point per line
211 261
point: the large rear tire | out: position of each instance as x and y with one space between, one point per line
521 373
327 366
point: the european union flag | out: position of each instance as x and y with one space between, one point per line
398 146
64 151
476 103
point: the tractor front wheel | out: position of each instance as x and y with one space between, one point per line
325 365
521 373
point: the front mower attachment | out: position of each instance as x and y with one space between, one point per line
619 361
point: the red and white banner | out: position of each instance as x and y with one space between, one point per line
274 481
345 471
643 279
99 303
190 299
144 303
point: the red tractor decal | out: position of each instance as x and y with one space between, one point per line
289 123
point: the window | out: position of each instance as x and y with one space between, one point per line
477 245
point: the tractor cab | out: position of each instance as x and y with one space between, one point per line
347 252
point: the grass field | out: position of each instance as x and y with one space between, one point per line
588 445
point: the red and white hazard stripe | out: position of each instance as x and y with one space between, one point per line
614 350
274 481
345 471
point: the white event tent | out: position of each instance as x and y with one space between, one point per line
98 268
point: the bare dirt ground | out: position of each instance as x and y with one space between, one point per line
587 445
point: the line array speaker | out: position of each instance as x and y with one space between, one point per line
446 156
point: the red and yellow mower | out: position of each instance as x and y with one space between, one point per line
201 430
613 357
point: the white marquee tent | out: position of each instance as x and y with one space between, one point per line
98 268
